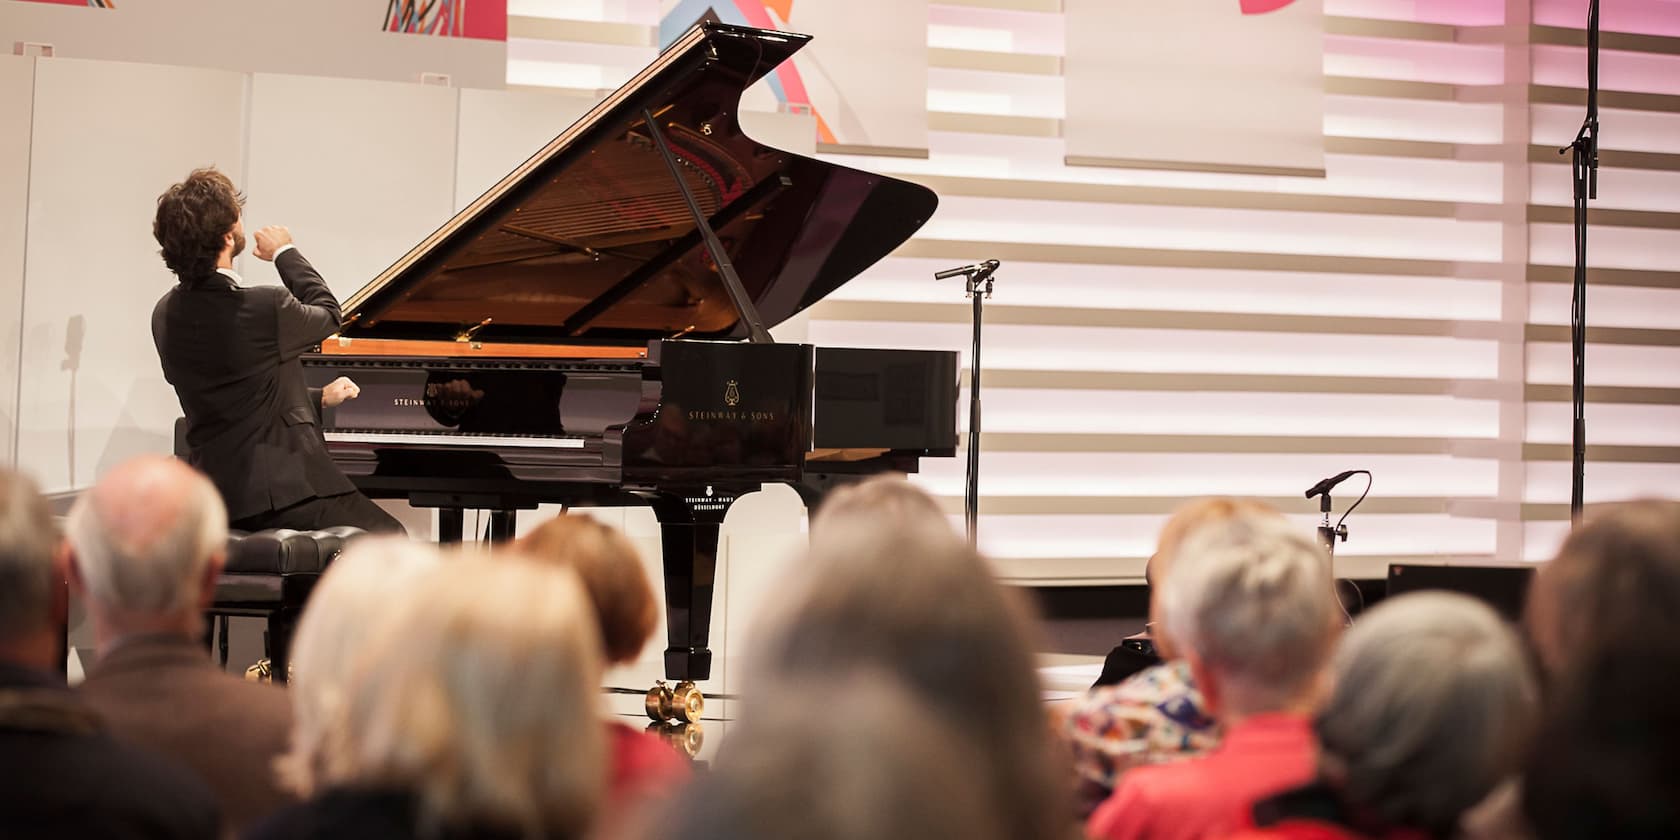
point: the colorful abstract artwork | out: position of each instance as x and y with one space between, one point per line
1260 7
448 18
785 81
92 4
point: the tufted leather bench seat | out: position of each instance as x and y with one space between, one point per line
269 575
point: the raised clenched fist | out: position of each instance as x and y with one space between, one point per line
270 239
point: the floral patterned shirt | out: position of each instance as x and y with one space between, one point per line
1153 717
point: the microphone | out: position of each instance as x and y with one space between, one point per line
1325 485
980 268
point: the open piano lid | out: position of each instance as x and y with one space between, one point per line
589 239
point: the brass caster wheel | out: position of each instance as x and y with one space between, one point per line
263 671
685 738
684 703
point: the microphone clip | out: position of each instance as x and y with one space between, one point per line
979 277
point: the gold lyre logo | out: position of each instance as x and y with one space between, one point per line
731 394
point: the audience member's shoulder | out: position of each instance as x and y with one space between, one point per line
1143 692
93 786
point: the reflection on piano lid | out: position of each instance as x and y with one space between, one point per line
444 439
591 242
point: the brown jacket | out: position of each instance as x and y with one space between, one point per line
162 693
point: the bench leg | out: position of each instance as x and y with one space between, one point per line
281 624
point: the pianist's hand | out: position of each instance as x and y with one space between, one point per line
338 391
269 240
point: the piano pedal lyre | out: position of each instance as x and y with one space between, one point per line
684 703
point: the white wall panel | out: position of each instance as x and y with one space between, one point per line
107 139
1192 474
500 129
361 171
1177 289
1021 347
329 37
17 94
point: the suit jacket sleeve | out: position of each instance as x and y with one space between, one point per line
310 313
315 395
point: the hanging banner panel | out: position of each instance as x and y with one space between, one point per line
1200 85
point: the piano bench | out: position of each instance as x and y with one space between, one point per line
269 575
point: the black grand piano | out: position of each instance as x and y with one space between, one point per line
592 330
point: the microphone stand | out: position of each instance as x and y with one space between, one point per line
1584 166
978 287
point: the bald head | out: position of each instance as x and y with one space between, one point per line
145 535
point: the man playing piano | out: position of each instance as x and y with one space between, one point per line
232 351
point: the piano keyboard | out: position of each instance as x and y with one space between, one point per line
455 439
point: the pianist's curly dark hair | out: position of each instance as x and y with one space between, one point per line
192 217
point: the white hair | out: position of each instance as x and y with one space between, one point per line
1252 597
478 691
147 552
1433 704
361 584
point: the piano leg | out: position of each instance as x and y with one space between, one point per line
502 524
451 524
689 539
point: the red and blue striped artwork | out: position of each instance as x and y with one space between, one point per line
92 4
448 18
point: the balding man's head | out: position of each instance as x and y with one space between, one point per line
145 535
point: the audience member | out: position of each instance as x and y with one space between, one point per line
868 761
61 775
148 542
1249 606
889 585
1156 715
364 580
1432 709
461 717
1604 622
641 765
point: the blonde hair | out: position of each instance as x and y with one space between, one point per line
1251 597
359 586
479 692
887 501
1185 520
612 574
888 584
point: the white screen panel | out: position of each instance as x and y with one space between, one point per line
361 171
17 94
500 129
1204 85
92 392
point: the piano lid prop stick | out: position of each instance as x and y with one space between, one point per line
756 333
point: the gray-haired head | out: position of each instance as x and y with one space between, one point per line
1250 598
28 540
144 536
1434 700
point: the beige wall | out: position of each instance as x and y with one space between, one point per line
17 82
319 37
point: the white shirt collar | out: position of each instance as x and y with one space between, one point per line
231 275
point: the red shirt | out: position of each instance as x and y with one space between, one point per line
1211 796
642 765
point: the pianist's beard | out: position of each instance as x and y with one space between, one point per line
238 243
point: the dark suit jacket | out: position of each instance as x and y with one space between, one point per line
62 777
232 354
162 693
367 815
